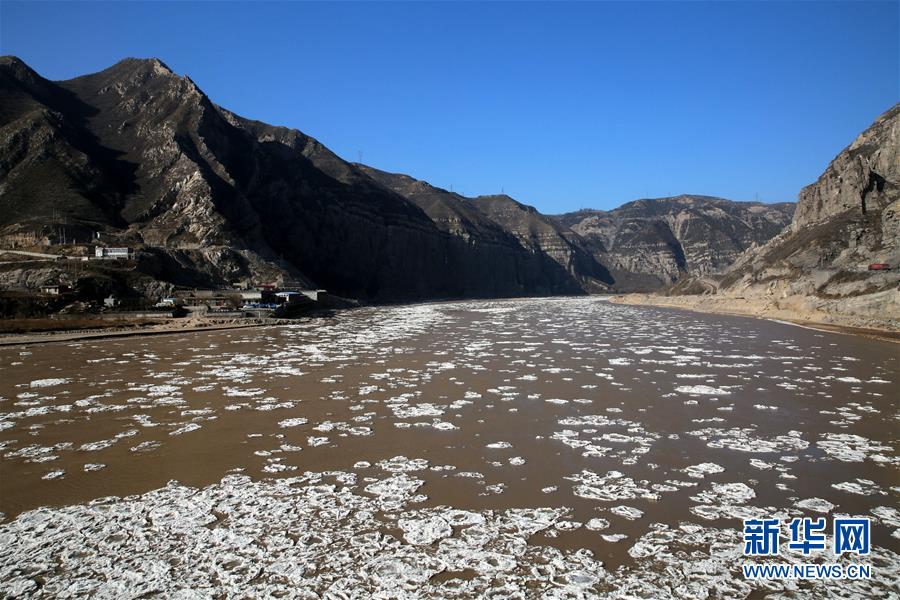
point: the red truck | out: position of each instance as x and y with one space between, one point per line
879 267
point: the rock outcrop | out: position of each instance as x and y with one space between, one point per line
861 180
653 242
845 221
512 242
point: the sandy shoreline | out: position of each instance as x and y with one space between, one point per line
23 339
824 321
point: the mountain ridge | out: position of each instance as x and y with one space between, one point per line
143 157
837 262
664 239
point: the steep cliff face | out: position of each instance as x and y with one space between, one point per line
508 238
143 156
653 242
538 233
502 255
846 220
210 182
862 179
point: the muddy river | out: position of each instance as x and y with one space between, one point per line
524 448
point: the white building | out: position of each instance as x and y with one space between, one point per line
104 252
288 297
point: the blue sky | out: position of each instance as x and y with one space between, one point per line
562 105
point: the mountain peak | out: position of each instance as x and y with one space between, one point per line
11 61
16 67
152 64
506 200
134 71
130 75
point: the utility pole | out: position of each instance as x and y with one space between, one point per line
360 153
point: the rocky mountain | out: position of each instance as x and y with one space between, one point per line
530 243
653 242
540 233
845 221
138 156
142 157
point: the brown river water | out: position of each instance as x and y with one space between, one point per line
564 447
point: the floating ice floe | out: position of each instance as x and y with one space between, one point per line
597 524
702 390
96 446
187 428
724 500
49 382
703 469
847 447
887 515
146 446
815 504
425 531
627 512
402 411
745 440
610 487
401 464
862 487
